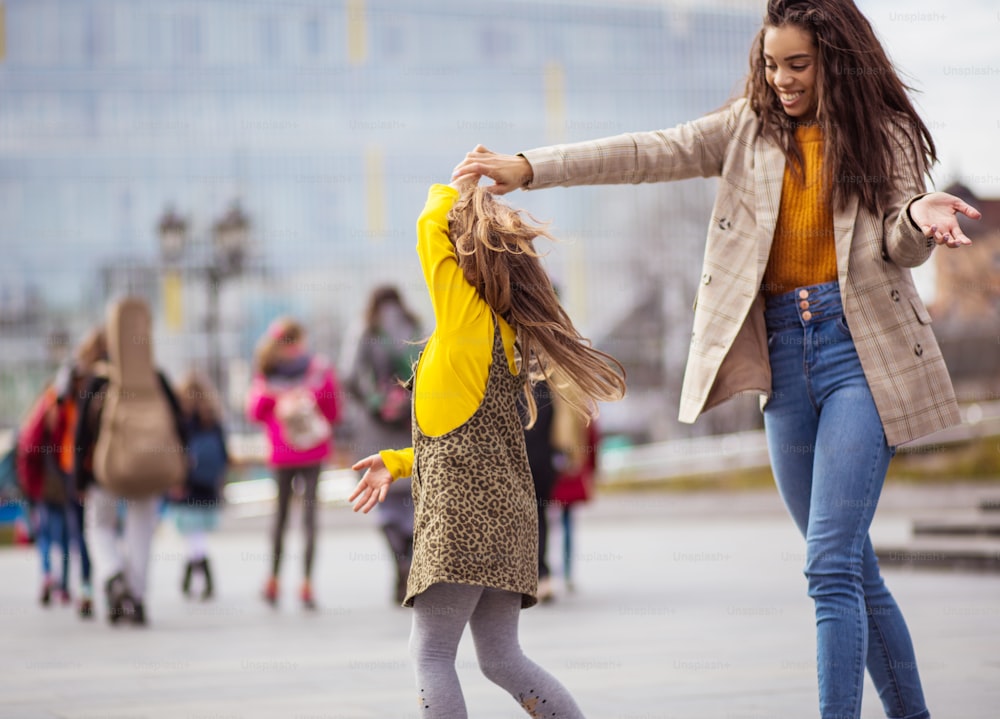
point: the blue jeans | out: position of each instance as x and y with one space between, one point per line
74 514
829 456
53 531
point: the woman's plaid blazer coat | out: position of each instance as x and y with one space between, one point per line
728 354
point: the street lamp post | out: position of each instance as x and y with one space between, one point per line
219 258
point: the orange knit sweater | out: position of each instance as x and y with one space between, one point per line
803 251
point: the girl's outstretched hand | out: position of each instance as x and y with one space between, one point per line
373 485
936 215
508 172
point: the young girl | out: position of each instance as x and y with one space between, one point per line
806 298
498 323
294 393
195 506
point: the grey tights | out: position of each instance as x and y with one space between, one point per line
440 616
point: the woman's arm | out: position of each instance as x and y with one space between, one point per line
692 149
937 216
914 221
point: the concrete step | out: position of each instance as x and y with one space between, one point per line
942 552
970 525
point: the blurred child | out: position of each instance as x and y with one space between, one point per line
195 506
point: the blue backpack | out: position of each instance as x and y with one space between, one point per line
207 457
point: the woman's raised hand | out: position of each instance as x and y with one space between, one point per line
936 215
508 172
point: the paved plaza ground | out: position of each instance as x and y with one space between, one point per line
689 606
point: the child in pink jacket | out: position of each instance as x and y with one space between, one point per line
294 394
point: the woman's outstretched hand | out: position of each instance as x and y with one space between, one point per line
373 485
508 172
936 215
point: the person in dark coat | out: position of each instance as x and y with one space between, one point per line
381 363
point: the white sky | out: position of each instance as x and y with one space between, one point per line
950 52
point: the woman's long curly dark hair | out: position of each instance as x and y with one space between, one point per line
495 249
860 99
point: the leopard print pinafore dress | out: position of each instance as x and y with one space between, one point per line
475 517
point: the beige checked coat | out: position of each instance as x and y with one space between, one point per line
728 354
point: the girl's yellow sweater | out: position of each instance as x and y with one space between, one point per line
451 375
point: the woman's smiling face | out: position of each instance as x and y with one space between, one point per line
790 61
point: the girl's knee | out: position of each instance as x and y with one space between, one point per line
426 654
499 671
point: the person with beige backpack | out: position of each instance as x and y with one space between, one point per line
130 451
294 395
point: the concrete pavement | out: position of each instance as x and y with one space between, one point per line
689 606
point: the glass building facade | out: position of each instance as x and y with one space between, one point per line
327 121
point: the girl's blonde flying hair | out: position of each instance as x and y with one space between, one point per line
495 249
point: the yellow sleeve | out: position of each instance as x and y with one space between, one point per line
456 303
399 462
454 366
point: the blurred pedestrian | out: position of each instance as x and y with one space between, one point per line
129 452
542 452
72 381
294 394
381 365
47 488
475 541
577 466
806 298
194 507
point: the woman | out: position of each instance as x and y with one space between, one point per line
294 394
806 298
383 360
